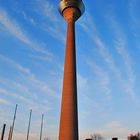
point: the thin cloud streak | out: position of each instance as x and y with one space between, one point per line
14 29
4 101
25 101
106 130
119 130
134 17
82 83
92 32
121 47
18 134
28 75
33 82
103 78
56 30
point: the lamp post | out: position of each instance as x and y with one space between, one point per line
3 131
71 10
29 124
12 127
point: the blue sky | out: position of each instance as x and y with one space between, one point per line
32 47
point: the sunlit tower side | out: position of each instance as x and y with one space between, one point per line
71 10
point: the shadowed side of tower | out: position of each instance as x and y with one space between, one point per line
71 10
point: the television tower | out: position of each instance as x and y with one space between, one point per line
71 10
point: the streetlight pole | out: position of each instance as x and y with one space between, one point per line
3 131
29 124
12 128
41 126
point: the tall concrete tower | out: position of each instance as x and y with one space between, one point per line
71 10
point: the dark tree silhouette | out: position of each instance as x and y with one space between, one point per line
46 138
96 136
138 135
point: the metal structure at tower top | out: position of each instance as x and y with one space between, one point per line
78 4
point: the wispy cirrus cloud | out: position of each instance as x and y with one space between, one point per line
26 72
104 79
26 101
121 46
106 130
20 134
28 18
82 82
93 34
107 57
47 9
134 16
11 26
52 23
48 20
27 87
119 130
134 20
103 51
33 135
3 101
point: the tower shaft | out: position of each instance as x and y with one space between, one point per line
69 112
71 10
